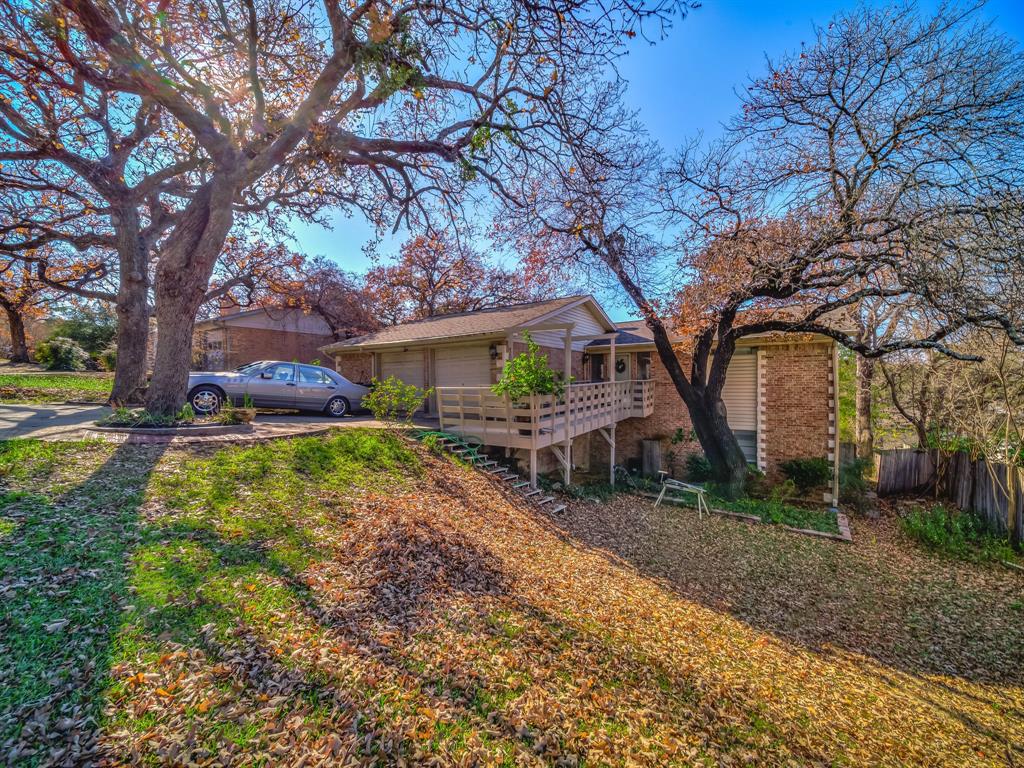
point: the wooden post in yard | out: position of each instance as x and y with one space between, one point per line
567 373
611 465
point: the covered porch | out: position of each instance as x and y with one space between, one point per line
547 421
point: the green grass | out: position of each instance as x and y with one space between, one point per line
771 511
956 534
53 387
97 585
780 513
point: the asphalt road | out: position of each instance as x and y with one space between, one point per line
54 421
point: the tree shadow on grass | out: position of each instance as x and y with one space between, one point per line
406 642
63 591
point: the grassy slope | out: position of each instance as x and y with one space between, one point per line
327 597
53 387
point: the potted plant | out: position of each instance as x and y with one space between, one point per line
247 413
526 375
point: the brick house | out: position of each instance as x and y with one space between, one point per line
235 338
780 390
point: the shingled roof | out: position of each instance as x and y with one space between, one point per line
480 322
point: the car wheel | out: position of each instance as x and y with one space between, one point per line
337 407
205 400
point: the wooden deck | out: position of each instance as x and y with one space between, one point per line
542 421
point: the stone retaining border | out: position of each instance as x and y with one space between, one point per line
841 520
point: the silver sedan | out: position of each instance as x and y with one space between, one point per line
275 384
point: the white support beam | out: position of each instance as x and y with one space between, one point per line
567 378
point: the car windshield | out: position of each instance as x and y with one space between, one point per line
248 367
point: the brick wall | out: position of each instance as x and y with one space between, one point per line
796 396
668 416
245 345
356 367
797 401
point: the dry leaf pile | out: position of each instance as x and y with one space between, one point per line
418 616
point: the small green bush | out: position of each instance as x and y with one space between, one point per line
393 401
698 468
139 417
853 488
61 354
955 534
92 327
108 358
808 474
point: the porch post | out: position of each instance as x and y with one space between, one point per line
567 373
611 465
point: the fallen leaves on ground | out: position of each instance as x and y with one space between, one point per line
433 619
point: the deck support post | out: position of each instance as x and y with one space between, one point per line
608 433
533 467
567 396
611 468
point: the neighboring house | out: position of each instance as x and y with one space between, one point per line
230 340
780 390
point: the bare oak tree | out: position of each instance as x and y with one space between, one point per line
298 103
883 162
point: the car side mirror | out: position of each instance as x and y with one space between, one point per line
266 375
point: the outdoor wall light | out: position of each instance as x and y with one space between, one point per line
493 350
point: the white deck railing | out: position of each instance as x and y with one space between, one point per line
542 420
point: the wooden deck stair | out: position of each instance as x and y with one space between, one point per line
456 447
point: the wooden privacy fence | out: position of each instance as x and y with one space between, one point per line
989 489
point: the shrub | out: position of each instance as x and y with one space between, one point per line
528 373
698 468
392 400
853 488
955 534
108 358
139 417
61 354
808 474
93 328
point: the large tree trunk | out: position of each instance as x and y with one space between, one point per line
182 278
703 400
19 346
865 433
708 415
132 310
728 464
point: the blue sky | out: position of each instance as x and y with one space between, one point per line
682 86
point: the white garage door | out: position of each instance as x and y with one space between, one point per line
462 366
407 366
740 397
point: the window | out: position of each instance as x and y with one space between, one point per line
643 365
281 372
311 375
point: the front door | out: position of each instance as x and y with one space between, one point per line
273 387
622 372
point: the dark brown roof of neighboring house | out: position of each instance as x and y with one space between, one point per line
480 322
629 332
637 332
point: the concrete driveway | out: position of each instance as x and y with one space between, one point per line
50 421
69 422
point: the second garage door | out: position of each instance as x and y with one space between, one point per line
468 366
407 366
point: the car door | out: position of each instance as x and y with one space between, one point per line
314 388
273 387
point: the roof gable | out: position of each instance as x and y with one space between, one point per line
496 321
